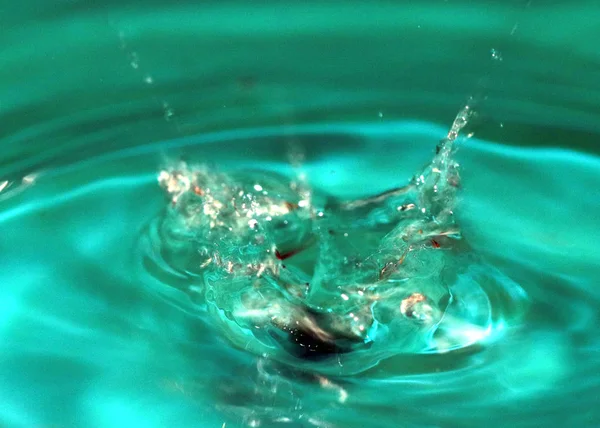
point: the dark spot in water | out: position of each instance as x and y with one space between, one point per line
247 82
283 256
311 344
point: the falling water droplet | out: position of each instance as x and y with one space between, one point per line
149 80
496 55
380 114
168 111
134 61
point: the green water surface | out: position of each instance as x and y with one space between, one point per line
97 96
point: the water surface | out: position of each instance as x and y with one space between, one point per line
96 99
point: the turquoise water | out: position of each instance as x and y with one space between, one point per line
96 99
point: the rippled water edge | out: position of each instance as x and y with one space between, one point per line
84 332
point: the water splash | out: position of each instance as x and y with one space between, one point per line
291 271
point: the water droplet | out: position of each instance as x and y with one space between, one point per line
135 62
168 112
149 80
380 114
496 55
